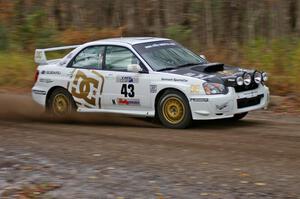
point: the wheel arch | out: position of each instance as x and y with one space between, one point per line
51 90
161 92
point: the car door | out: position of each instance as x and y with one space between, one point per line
86 79
124 90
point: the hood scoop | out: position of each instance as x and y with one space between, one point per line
209 68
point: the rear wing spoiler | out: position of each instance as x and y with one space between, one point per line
40 54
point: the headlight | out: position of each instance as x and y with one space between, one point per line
240 81
247 79
214 88
257 77
264 76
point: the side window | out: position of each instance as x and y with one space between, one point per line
89 58
119 58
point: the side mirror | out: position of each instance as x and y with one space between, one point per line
203 56
136 68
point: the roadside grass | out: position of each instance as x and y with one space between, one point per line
280 58
16 70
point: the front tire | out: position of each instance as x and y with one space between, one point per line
173 110
61 103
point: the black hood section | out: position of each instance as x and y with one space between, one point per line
212 72
209 68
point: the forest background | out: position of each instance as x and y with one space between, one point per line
263 34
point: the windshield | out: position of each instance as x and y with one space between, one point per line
165 55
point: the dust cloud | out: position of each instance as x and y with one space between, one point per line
17 107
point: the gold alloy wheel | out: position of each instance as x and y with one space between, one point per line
60 104
173 110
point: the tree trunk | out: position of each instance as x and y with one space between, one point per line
58 15
208 24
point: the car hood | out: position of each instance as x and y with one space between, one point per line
212 72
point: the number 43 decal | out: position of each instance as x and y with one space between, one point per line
127 90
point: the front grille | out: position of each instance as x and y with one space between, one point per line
246 102
243 88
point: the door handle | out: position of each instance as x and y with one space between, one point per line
70 74
109 75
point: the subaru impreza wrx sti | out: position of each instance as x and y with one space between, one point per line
147 77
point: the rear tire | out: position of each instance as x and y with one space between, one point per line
61 103
173 110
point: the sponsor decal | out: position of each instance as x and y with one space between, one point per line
86 88
47 81
39 92
160 44
153 88
189 74
249 94
195 89
127 102
51 72
174 79
222 106
231 80
227 72
199 99
245 70
127 79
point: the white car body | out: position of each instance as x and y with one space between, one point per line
99 90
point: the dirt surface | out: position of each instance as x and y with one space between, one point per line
100 156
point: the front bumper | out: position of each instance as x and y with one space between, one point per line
209 107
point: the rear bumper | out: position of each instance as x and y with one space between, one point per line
39 95
226 106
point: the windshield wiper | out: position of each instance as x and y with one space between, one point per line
168 68
188 64
180 66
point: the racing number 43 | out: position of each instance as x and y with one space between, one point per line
127 90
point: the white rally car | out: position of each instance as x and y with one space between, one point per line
148 77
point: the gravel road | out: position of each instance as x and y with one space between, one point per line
100 156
